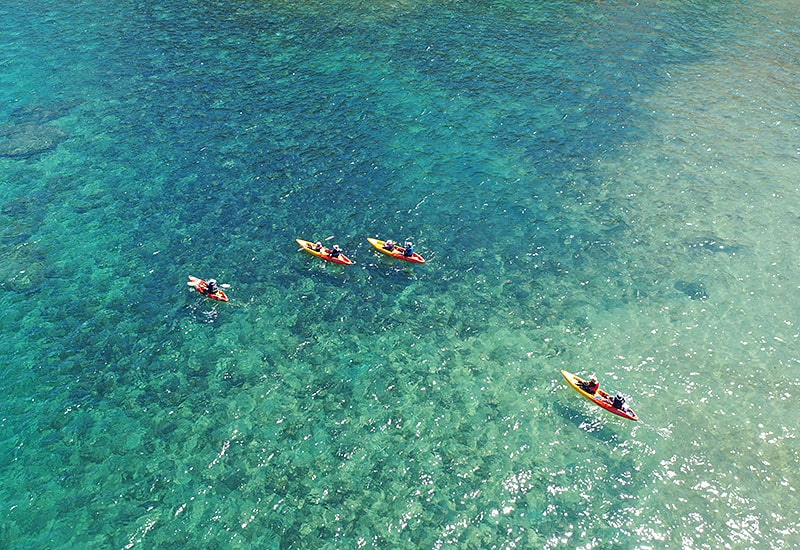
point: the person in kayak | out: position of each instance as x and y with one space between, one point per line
317 246
389 245
335 251
212 287
409 249
619 402
591 386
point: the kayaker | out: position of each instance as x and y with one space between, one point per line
409 249
212 287
591 386
389 245
335 251
318 246
619 402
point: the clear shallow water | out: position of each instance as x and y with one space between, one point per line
579 177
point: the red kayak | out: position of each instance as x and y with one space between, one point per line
396 251
202 288
599 398
324 253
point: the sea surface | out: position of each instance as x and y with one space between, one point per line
609 187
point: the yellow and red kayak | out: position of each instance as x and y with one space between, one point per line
325 253
202 288
396 251
600 398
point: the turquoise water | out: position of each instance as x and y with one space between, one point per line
606 188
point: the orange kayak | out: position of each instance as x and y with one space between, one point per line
202 288
325 253
600 398
396 251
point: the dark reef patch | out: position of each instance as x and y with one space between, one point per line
712 244
26 140
694 290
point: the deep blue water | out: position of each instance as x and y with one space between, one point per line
606 188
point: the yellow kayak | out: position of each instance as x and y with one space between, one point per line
324 253
396 251
599 398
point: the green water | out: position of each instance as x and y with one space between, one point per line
606 188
